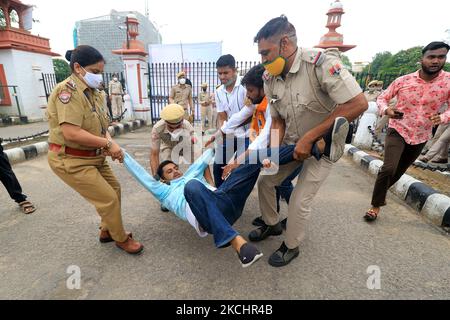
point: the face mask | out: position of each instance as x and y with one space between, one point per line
94 81
115 79
276 66
176 134
182 81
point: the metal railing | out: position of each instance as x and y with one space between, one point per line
9 97
51 80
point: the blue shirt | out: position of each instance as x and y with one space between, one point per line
171 196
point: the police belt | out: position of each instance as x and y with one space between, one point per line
75 152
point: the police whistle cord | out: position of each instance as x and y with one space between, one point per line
19 139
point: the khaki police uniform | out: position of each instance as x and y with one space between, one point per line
163 141
205 101
116 93
310 92
182 95
91 176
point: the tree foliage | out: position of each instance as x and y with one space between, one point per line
62 69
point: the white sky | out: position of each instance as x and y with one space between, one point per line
375 26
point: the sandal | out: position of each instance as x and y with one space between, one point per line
371 216
27 207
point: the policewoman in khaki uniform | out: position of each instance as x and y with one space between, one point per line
307 90
181 94
79 143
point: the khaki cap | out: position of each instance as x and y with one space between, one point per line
173 113
181 74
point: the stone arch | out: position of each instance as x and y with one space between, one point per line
14 18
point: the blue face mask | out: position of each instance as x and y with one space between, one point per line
93 80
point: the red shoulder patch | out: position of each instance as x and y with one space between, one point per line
65 96
336 69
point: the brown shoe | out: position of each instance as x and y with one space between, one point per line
130 246
440 161
424 159
105 236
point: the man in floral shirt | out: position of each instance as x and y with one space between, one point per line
420 95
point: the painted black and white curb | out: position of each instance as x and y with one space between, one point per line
21 154
435 207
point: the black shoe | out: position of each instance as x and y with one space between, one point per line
264 232
283 256
249 255
164 209
259 222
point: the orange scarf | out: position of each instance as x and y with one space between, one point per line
259 119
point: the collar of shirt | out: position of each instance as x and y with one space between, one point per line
297 62
80 84
416 75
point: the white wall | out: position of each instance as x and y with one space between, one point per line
24 70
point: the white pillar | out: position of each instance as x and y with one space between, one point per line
135 69
363 138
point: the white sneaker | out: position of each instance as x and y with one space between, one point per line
338 138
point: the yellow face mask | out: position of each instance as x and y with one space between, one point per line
276 66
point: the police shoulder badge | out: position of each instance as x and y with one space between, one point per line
314 56
266 76
336 69
71 85
65 96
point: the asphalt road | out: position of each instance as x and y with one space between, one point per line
412 256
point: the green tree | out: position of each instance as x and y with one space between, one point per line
346 61
62 69
404 62
378 62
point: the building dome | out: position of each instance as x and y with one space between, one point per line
337 5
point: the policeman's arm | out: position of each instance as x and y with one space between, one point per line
349 110
154 160
172 96
277 132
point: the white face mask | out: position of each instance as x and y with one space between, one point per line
115 79
176 134
182 81
93 80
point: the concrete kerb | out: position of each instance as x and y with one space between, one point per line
25 153
429 203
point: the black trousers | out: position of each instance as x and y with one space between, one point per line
9 179
398 157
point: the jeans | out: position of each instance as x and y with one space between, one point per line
9 179
216 211
225 153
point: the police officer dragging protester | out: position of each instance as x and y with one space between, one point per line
308 89
79 143
181 94
172 137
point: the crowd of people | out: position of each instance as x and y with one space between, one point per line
288 117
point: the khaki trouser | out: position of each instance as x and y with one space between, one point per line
311 178
439 149
214 118
207 114
94 180
116 105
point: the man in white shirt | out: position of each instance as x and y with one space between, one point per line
230 99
